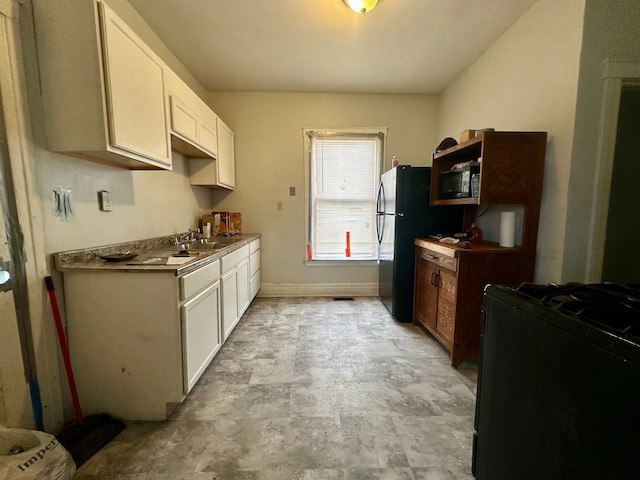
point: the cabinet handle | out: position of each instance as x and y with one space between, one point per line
436 279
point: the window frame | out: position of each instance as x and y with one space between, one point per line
357 132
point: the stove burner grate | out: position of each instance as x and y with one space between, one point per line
614 308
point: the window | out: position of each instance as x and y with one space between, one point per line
344 172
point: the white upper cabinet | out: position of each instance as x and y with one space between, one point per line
226 156
108 97
193 123
198 133
220 173
103 88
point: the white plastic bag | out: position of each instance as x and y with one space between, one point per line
30 454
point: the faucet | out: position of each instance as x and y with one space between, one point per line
188 237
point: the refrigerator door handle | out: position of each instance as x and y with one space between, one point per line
380 201
380 211
379 226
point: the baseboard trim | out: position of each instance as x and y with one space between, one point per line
318 289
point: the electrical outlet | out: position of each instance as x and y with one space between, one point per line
106 204
292 191
279 205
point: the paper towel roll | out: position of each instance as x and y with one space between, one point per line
507 229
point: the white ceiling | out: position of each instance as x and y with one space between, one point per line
402 46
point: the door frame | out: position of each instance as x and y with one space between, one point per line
22 153
616 74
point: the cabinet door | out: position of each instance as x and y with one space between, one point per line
229 303
207 137
254 272
182 120
226 156
426 293
243 286
255 284
135 92
446 316
254 263
201 338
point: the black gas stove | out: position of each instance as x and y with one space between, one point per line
559 383
606 313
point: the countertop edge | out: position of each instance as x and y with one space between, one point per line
473 248
87 260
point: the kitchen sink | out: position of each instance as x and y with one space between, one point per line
216 244
222 242
199 246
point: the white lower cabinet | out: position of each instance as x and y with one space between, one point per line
201 337
254 268
200 321
230 315
140 341
243 286
235 288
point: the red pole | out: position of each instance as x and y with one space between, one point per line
64 348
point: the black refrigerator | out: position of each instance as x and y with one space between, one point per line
403 213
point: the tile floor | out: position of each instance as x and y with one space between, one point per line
310 389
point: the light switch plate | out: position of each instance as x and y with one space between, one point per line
106 204
292 191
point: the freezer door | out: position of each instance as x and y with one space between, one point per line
388 185
386 220
385 216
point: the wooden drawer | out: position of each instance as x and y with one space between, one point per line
450 263
193 282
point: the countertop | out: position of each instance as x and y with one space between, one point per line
449 250
159 249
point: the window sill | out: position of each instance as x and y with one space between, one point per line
340 263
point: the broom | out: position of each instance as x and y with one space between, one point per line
85 435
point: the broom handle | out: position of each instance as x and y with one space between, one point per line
64 348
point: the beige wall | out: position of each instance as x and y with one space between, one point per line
270 159
132 18
611 30
527 81
146 204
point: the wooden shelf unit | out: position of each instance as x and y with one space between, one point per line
449 280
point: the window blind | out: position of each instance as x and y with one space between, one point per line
345 171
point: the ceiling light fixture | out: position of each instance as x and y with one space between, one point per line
361 6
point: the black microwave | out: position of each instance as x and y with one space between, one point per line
457 183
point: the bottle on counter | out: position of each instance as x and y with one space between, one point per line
476 233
